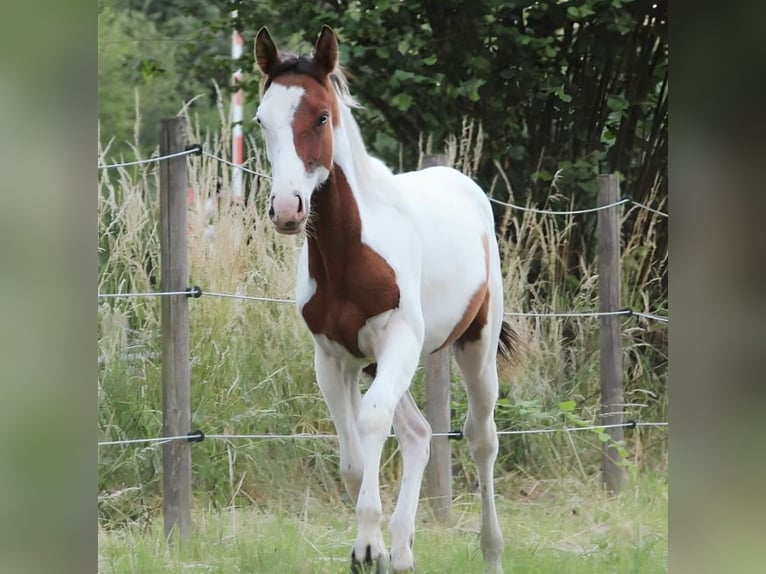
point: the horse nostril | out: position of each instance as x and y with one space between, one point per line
271 207
300 202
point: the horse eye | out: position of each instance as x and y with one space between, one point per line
323 119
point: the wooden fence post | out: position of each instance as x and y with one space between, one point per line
609 277
176 371
437 395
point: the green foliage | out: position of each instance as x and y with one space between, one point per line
143 62
542 76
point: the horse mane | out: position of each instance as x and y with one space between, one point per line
371 173
304 64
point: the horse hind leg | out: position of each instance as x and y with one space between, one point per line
478 365
414 435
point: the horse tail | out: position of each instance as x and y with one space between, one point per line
509 345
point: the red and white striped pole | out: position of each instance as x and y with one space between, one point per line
237 100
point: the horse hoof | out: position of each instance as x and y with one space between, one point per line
359 567
380 564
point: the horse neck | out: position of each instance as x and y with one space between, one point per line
335 227
357 181
366 175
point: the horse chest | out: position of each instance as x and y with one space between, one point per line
351 288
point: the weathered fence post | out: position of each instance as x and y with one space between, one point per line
609 278
437 395
176 375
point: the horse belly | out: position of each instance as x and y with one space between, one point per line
457 235
453 288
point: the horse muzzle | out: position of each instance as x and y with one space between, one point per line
288 212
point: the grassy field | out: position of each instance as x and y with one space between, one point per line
279 506
549 526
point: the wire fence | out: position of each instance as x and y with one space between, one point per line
189 151
554 212
232 164
196 149
578 211
196 292
199 436
147 294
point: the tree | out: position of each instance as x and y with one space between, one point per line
578 85
143 58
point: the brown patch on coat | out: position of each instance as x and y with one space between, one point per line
474 329
354 283
313 141
474 317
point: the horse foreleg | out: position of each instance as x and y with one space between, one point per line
339 386
397 359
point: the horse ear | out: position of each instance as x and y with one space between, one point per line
266 53
326 50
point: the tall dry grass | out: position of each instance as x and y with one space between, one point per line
252 361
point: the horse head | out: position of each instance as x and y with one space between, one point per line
297 113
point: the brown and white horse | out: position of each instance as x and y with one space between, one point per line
393 267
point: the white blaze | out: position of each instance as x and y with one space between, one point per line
276 114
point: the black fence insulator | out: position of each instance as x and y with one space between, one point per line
195 148
195 436
628 311
195 292
455 435
631 424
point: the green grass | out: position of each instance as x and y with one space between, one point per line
560 526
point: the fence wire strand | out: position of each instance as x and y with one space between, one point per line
148 294
652 316
577 211
625 312
155 440
326 436
232 164
554 212
248 297
647 208
569 313
147 160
